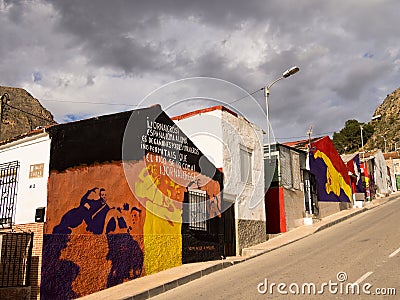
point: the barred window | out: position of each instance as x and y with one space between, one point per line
8 191
15 259
197 210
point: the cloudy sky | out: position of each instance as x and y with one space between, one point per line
86 58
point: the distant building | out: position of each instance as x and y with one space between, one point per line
289 194
378 174
330 174
353 165
393 162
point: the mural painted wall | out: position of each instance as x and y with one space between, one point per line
354 167
333 181
366 179
116 201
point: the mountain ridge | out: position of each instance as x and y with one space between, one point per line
387 126
21 113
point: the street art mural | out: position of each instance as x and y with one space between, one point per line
115 214
354 167
366 179
332 179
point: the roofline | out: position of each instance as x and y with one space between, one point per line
205 110
304 141
277 144
25 138
39 130
44 128
350 156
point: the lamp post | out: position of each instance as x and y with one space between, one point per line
286 74
377 117
362 142
384 139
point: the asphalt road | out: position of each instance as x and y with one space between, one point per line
364 249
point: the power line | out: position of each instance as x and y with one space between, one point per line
124 104
134 105
88 102
250 94
28 113
304 136
103 103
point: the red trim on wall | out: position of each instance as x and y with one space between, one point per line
282 211
204 110
275 207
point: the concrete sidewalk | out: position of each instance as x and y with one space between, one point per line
155 284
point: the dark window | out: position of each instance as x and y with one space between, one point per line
8 191
15 259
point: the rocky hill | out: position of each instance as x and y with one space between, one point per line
388 125
21 114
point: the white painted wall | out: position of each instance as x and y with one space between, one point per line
238 132
32 192
205 131
380 174
219 135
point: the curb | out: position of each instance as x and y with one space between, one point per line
183 280
330 224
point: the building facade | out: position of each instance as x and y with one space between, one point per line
329 176
393 163
124 196
234 145
377 172
287 188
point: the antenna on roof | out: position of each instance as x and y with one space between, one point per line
309 132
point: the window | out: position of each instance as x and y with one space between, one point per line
296 173
286 168
8 191
197 210
246 167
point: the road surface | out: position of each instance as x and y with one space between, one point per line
364 250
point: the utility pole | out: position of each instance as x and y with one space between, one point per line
384 139
309 132
308 184
4 100
362 143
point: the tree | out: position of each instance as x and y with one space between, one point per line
348 139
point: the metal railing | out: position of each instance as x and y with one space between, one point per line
197 210
8 191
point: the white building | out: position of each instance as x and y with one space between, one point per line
235 146
24 170
377 168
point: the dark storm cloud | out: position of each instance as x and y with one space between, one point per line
358 78
347 51
123 34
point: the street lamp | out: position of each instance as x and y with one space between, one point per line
285 74
384 139
362 143
377 117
